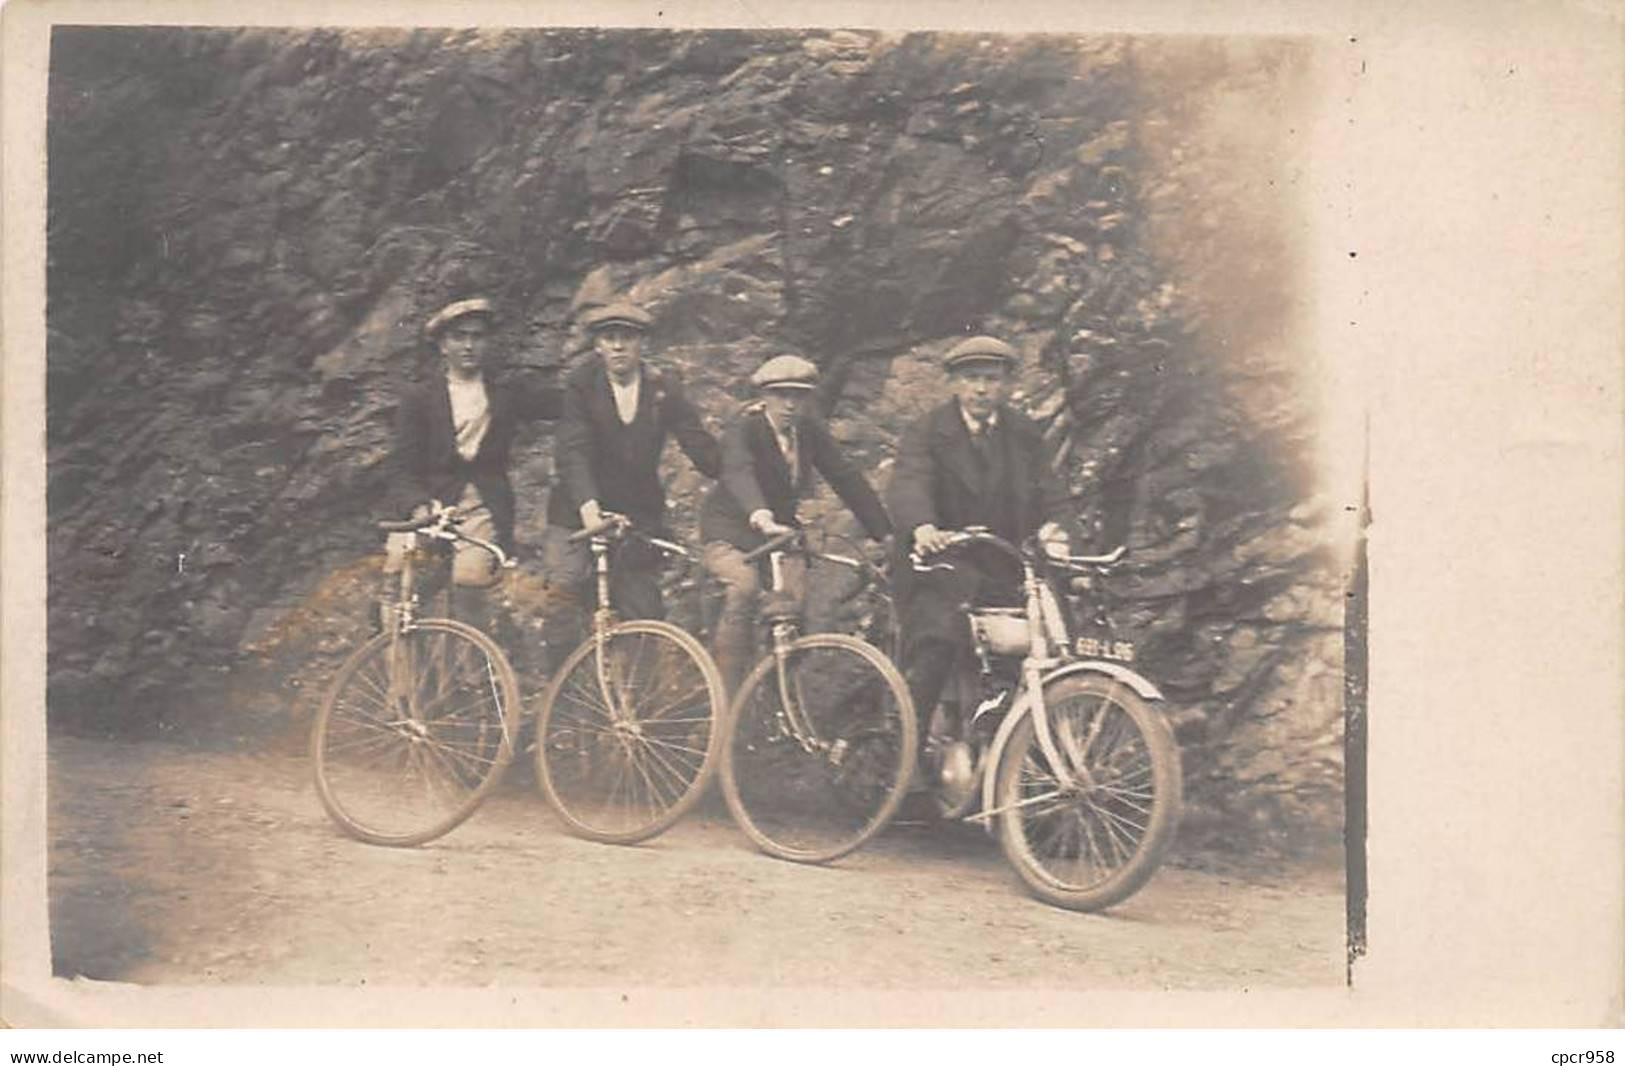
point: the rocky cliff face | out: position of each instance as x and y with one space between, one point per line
248 227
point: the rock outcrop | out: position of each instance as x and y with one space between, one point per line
248 227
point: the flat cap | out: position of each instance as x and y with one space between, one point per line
980 350
477 306
786 372
617 314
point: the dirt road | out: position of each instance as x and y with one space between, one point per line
175 866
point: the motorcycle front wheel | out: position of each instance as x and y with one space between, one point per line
1094 842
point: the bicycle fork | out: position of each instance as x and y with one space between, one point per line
784 635
603 619
1070 774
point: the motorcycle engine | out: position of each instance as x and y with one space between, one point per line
956 779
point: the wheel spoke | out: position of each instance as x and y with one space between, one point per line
657 763
1113 835
1097 858
698 692
671 745
374 743
1111 817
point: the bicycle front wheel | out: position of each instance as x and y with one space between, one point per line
821 748
1096 841
629 731
414 732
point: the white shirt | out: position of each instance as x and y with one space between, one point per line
470 413
975 427
626 398
786 439
786 436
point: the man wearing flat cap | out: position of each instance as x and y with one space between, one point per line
619 412
769 456
973 461
453 437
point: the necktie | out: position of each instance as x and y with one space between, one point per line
788 443
982 439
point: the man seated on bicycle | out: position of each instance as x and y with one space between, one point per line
973 461
453 436
769 455
618 413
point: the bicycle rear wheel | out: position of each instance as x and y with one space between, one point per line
414 732
1097 842
820 752
629 731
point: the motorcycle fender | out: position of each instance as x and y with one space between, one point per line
1024 707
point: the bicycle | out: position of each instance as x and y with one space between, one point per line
628 730
1075 767
822 733
431 703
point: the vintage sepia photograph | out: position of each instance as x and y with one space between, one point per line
600 507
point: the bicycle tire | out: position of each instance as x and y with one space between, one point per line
456 748
583 756
788 804
1130 809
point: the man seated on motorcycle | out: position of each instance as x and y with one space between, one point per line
972 461
769 455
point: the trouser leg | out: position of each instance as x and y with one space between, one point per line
634 584
734 641
929 665
567 569
396 545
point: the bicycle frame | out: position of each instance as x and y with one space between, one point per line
599 541
442 527
785 630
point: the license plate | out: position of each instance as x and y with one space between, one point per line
1104 648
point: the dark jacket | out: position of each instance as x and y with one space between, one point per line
600 458
942 479
755 476
428 465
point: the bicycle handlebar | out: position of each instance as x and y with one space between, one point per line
618 525
439 515
772 544
1092 560
964 538
670 547
612 525
441 524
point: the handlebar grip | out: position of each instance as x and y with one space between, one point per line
390 525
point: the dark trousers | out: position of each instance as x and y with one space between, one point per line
932 607
634 588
